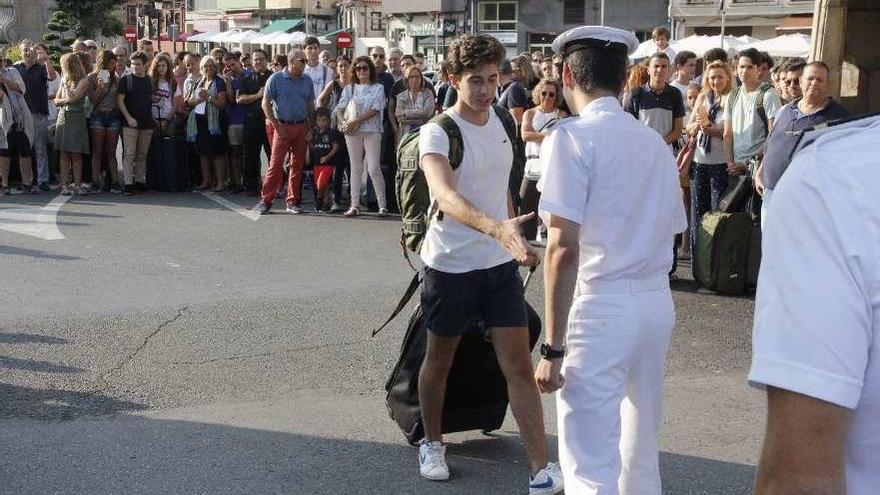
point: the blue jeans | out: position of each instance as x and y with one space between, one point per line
708 183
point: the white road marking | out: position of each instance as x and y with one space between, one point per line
40 222
250 214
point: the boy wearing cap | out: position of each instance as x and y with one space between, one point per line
471 259
612 203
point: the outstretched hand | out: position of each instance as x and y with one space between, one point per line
509 234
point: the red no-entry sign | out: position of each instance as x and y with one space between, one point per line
344 40
131 33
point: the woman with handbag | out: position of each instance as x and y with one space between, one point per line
708 162
359 114
104 122
536 123
71 131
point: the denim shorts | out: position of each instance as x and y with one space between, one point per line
495 296
105 120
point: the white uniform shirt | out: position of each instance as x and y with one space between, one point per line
616 178
482 178
817 314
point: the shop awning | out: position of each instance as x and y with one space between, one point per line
334 33
282 26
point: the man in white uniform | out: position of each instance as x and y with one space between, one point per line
817 319
612 202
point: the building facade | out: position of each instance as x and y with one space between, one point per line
761 19
312 16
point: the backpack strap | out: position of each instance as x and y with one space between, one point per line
407 295
509 124
759 107
456 143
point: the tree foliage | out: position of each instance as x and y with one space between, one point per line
90 17
60 34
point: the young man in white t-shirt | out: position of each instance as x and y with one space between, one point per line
321 74
816 338
471 257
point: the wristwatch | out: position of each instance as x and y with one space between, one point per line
549 353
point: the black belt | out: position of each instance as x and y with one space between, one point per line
293 122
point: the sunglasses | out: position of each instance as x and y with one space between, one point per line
544 93
362 68
377 55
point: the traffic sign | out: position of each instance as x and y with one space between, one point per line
131 33
344 40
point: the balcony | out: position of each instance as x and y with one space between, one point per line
737 8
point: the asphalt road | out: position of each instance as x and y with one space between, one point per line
169 343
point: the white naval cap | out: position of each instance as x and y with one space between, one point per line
596 36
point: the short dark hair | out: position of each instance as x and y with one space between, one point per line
599 68
322 112
662 55
766 59
472 51
751 54
232 56
412 58
259 50
139 55
280 60
179 56
418 55
311 40
683 56
795 65
714 54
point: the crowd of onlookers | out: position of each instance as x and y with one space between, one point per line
335 120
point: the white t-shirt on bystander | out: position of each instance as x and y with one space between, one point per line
321 76
482 179
749 131
817 314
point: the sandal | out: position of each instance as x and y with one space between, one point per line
352 212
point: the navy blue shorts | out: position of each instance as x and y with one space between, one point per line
450 301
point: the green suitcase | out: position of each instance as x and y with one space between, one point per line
723 245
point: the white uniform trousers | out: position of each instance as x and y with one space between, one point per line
610 407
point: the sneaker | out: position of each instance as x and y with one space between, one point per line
337 208
432 461
264 208
66 191
43 186
83 191
4 191
352 212
548 481
114 189
295 209
383 212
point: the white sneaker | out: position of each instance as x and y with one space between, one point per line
548 481
295 209
432 461
337 207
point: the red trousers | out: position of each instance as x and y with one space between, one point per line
291 139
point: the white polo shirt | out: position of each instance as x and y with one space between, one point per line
616 178
817 314
482 179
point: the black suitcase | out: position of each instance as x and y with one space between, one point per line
476 391
167 168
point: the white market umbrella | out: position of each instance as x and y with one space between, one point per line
242 37
225 36
645 49
700 44
201 37
787 45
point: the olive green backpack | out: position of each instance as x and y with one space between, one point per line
411 186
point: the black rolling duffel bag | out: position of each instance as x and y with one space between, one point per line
167 168
476 391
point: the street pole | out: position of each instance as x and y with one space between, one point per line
602 13
306 10
723 20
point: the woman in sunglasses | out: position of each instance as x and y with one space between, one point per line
536 124
359 114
